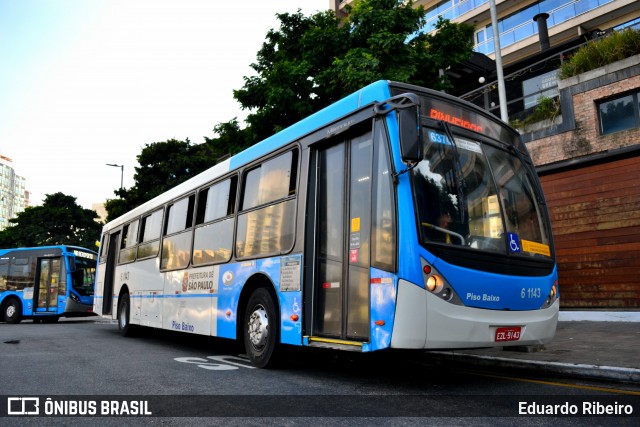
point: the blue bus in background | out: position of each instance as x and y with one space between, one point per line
397 217
46 283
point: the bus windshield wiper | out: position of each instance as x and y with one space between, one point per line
458 175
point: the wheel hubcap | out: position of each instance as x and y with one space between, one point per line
123 316
258 327
11 310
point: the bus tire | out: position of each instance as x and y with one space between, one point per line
12 311
124 319
261 329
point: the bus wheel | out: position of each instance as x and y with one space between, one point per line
261 329
124 325
12 311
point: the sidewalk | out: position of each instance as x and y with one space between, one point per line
592 345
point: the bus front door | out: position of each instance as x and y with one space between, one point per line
48 283
341 200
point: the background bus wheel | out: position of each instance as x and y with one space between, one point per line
12 311
124 308
261 329
52 319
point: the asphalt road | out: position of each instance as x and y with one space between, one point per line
178 379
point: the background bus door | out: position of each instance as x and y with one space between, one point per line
48 285
340 196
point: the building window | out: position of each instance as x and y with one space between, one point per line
619 114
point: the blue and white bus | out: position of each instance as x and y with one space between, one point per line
398 217
45 283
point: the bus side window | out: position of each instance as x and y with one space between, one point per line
104 243
128 243
272 180
383 239
213 237
4 273
150 229
176 245
22 273
271 188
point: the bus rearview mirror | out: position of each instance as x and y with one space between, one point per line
410 141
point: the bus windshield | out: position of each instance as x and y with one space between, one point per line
84 275
470 193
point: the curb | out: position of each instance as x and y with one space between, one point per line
596 372
599 316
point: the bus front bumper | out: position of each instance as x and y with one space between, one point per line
74 308
425 321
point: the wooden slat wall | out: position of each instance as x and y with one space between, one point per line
595 214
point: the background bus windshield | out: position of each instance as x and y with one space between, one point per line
84 275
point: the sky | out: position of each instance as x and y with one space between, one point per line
86 83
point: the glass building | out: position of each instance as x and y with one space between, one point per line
14 197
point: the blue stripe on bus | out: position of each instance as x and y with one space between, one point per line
207 295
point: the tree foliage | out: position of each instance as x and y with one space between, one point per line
58 221
161 166
600 52
312 61
306 64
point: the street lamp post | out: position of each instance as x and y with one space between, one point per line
121 172
502 92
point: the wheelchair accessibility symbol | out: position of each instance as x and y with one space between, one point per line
514 243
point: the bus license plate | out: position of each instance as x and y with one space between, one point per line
511 333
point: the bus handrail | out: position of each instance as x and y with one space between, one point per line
445 231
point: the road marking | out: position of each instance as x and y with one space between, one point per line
557 384
225 363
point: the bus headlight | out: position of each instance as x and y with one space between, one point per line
553 295
435 283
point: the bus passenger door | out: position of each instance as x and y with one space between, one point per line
48 281
109 275
340 196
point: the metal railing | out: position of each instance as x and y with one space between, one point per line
556 16
451 13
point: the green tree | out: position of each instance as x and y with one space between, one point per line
58 221
311 62
230 140
161 166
